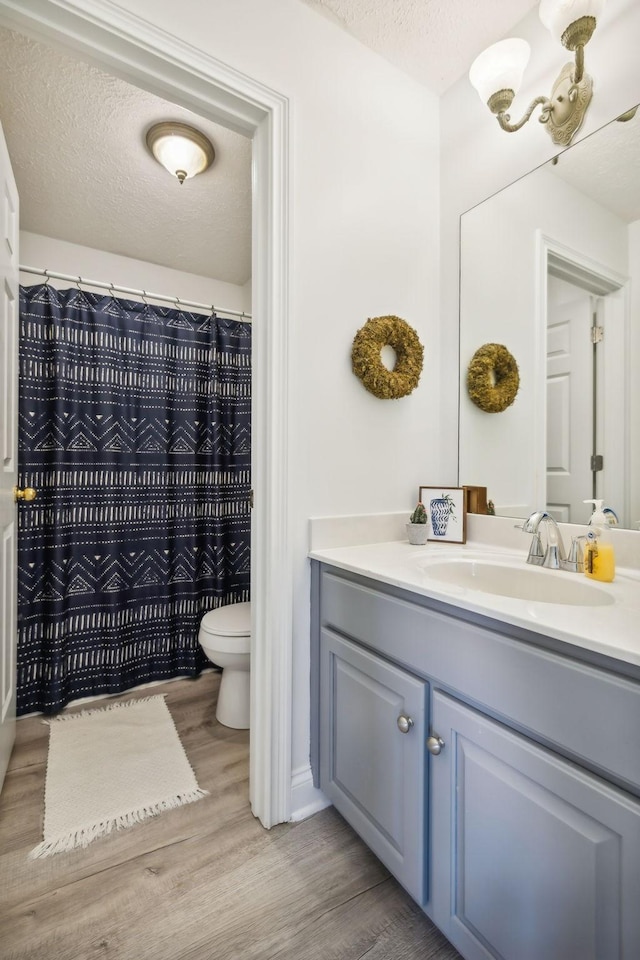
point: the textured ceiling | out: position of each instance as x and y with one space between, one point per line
76 139
606 166
434 41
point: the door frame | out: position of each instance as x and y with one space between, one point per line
140 53
600 280
9 280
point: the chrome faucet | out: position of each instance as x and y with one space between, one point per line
553 556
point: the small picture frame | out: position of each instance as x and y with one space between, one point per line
447 511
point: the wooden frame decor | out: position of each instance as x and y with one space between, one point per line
492 378
475 499
447 510
367 364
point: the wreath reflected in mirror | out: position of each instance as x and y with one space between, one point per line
366 359
492 378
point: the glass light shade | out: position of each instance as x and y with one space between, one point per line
499 67
181 149
558 14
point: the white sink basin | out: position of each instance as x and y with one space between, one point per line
522 582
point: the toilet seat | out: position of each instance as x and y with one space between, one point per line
229 628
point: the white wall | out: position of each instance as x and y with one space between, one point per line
247 296
478 158
74 259
498 304
364 243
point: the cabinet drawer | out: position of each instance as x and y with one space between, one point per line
587 713
372 772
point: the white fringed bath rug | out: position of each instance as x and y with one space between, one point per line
112 768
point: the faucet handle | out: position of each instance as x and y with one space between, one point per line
575 559
536 553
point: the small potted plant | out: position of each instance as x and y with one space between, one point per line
418 526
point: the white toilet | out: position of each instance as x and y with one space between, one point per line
225 637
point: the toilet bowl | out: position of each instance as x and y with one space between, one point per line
225 637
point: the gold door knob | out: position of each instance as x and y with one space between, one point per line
28 494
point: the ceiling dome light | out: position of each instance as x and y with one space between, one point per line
181 149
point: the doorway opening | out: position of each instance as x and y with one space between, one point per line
134 50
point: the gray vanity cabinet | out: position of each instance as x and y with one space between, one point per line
531 790
535 857
372 749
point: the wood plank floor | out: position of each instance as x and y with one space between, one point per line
203 882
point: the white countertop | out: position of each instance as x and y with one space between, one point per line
612 630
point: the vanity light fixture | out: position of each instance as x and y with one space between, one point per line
497 72
181 149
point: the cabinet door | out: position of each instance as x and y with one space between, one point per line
371 771
533 857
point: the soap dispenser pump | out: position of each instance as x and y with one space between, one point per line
599 557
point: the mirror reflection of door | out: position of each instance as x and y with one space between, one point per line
570 400
584 391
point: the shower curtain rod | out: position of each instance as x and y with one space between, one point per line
111 287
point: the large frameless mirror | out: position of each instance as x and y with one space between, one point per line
550 270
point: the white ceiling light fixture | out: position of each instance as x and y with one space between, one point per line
497 72
181 149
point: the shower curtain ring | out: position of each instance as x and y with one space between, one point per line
47 277
111 291
144 298
79 284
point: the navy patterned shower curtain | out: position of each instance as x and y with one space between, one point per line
135 430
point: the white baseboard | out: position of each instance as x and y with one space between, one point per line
305 798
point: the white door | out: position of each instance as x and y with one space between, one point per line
569 408
8 454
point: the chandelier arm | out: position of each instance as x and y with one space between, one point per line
504 118
578 72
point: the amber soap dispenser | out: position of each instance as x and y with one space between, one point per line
599 556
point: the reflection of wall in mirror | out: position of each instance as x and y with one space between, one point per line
634 369
499 286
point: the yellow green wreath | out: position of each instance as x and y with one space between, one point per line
492 378
367 363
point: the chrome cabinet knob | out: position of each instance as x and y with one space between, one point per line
28 494
404 723
435 745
